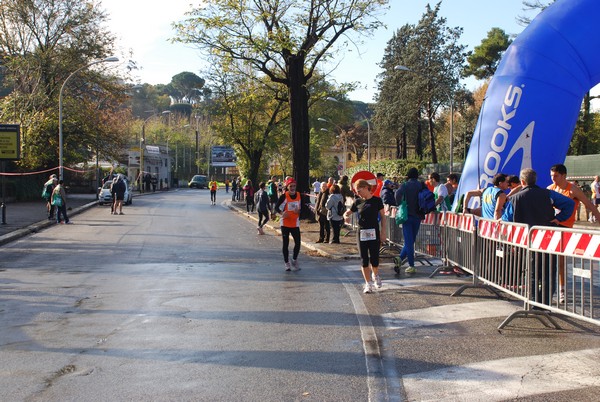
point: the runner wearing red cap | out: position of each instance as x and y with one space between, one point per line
290 205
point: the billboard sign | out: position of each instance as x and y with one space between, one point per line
222 156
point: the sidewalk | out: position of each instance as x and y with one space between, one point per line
23 218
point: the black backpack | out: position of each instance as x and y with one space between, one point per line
341 208
426 201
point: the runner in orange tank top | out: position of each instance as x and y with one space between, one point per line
290 205
560 184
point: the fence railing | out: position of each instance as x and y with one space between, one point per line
552 270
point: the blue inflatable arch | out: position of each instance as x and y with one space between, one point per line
533 100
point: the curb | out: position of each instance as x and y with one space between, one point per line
37 226
309 246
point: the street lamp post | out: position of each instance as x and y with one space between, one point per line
344 133
197 143
142 151
60 110
168 112
451 100
332 99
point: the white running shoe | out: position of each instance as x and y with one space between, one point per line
288 267
368 288
377 281
295 266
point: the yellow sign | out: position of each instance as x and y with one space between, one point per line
9 142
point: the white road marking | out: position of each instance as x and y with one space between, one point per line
507 379
449 313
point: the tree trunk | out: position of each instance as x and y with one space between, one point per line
431 133
254 168
419 140
404 143
298 96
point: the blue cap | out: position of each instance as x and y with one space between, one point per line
387 183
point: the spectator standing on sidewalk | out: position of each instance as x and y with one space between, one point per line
316 187
379 184
238 193
439 190
272 192
451 186
387 196
596 191
118 190
409 191
333 212
321 214
59 200
249 195
370 215
47 195
345 189
262 207
587 191
534 206
113 198
234 187
289 205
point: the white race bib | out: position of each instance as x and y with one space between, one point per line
368 234
293 206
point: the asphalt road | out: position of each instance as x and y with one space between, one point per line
175 300
181 300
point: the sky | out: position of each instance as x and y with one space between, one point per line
146 29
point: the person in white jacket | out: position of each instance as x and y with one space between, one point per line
333 211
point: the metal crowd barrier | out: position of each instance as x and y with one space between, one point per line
459 235
429 239
393 236
428 244
528 264
560 255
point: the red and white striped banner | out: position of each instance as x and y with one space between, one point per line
465 223
503 231
432 218
565 242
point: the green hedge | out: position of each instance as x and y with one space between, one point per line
391 168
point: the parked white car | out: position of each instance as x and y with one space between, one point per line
105 197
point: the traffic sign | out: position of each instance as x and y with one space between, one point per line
9 142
